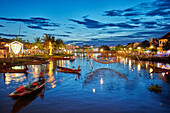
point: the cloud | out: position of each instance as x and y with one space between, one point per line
111 32
68 32
94 39
151 34
63 35
1 26
49 34
85 16
95 24
156 8
38 27
33 21
71 27
11 35
98 43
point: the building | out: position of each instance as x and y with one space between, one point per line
71 47
164 39
154 42
4 45
112 47
87 46
135 44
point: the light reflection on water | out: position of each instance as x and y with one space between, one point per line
98 87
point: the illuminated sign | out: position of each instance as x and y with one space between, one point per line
15 47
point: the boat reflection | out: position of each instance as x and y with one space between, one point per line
164 76
22 102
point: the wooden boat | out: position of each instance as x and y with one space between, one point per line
27 90
37 62
159 70
13 71
71 60
69 70
60 58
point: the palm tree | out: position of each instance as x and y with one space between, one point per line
17 39
59 43
38 43
37 40
47 39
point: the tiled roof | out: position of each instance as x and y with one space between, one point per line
166 36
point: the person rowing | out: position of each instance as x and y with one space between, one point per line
41 77
79 67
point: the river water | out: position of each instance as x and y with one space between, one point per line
120 87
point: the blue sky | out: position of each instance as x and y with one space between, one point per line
92 22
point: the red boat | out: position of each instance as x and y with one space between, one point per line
27 90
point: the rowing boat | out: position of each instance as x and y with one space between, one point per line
69 70
27 90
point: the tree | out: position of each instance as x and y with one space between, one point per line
59 43
145 44
38 43
37 40
104 47
47 39
118 47
18 39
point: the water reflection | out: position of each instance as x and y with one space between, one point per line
101 72
17 77
24 101
101 81
51 78
116 84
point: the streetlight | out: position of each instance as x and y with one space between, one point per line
151 47
101 50
139 48
6 45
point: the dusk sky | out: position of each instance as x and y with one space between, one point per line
91 22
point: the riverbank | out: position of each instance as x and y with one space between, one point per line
31 60
145 58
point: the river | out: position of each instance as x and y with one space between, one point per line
121 87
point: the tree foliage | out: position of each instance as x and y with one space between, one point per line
104 47
145 44
118 47
18 39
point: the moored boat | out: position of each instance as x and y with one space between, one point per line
27 90
71 60
159 70
69 70
60 58
13 71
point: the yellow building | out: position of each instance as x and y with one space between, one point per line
163 40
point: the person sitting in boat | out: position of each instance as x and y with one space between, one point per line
4 65
26 68
41 77
78 67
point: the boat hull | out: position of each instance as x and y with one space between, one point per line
27 93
